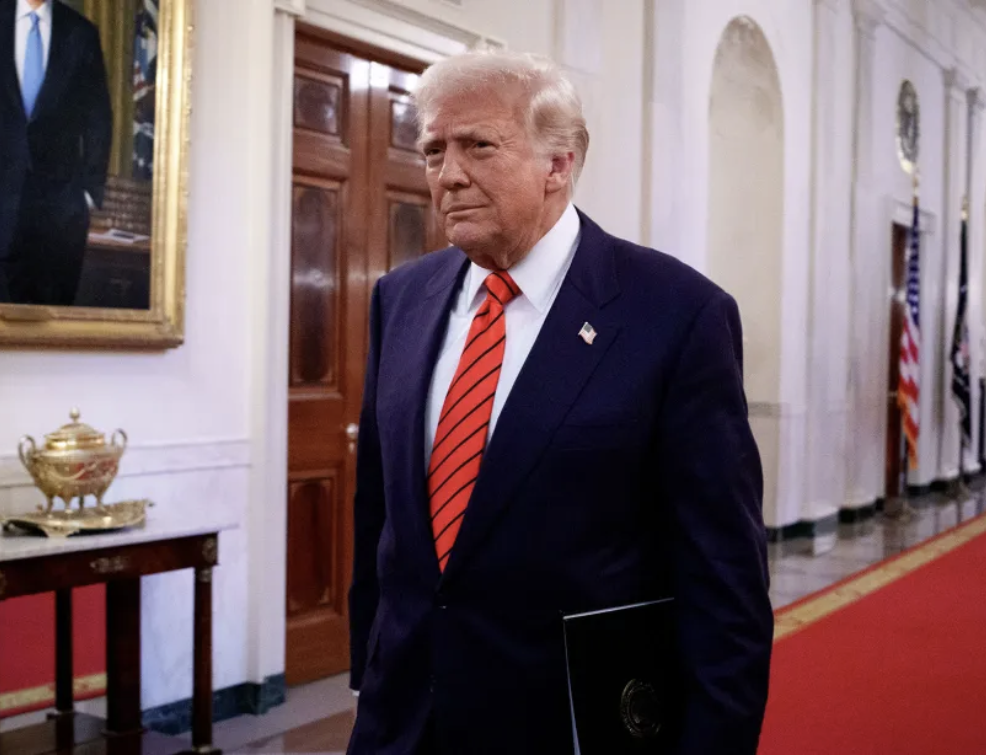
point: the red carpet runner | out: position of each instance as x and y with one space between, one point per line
27 649
892 660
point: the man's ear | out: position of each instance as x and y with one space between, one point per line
560 173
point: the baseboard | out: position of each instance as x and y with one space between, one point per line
938 485
852 515
245 698
803 529
861 513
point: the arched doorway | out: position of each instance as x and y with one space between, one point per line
746 219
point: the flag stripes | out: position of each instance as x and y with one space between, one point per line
909 383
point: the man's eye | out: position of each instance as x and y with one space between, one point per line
482 145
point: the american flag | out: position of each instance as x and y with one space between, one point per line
908 387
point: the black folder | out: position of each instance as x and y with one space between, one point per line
622 678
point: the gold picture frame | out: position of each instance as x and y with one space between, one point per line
161 325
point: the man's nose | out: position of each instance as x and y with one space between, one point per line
452 175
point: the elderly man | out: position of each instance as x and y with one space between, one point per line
553 422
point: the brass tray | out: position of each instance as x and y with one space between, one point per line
61 523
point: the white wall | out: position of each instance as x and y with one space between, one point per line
603 52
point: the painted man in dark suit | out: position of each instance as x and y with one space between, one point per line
56 132
553 422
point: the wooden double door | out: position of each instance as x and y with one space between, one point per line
360 208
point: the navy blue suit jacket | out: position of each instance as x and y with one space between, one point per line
65 145
618 472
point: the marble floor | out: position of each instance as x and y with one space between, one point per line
802 566
318 717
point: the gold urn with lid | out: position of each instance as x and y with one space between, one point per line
76 461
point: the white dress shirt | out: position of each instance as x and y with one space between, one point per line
22 27
539 276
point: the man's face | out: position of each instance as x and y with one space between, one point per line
488 184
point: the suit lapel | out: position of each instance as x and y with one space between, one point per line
419 342
59 61
553 375
11 87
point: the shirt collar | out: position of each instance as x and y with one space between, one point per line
43 11
538 273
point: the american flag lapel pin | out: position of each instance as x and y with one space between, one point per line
588 333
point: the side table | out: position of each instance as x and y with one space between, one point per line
29 564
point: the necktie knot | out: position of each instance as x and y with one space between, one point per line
35 20
501 286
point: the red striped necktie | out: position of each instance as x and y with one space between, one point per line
462 428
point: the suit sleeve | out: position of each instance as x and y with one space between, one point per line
714 487
97 134
369 513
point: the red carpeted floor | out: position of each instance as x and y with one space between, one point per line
901 669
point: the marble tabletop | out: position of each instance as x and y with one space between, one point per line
160 525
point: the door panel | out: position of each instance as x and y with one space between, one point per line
360 207
407 228
311 520
315 287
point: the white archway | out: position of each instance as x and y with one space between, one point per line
746 218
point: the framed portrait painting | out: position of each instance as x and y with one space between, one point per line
94 111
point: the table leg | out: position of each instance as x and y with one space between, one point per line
202 693
64 695
123 656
